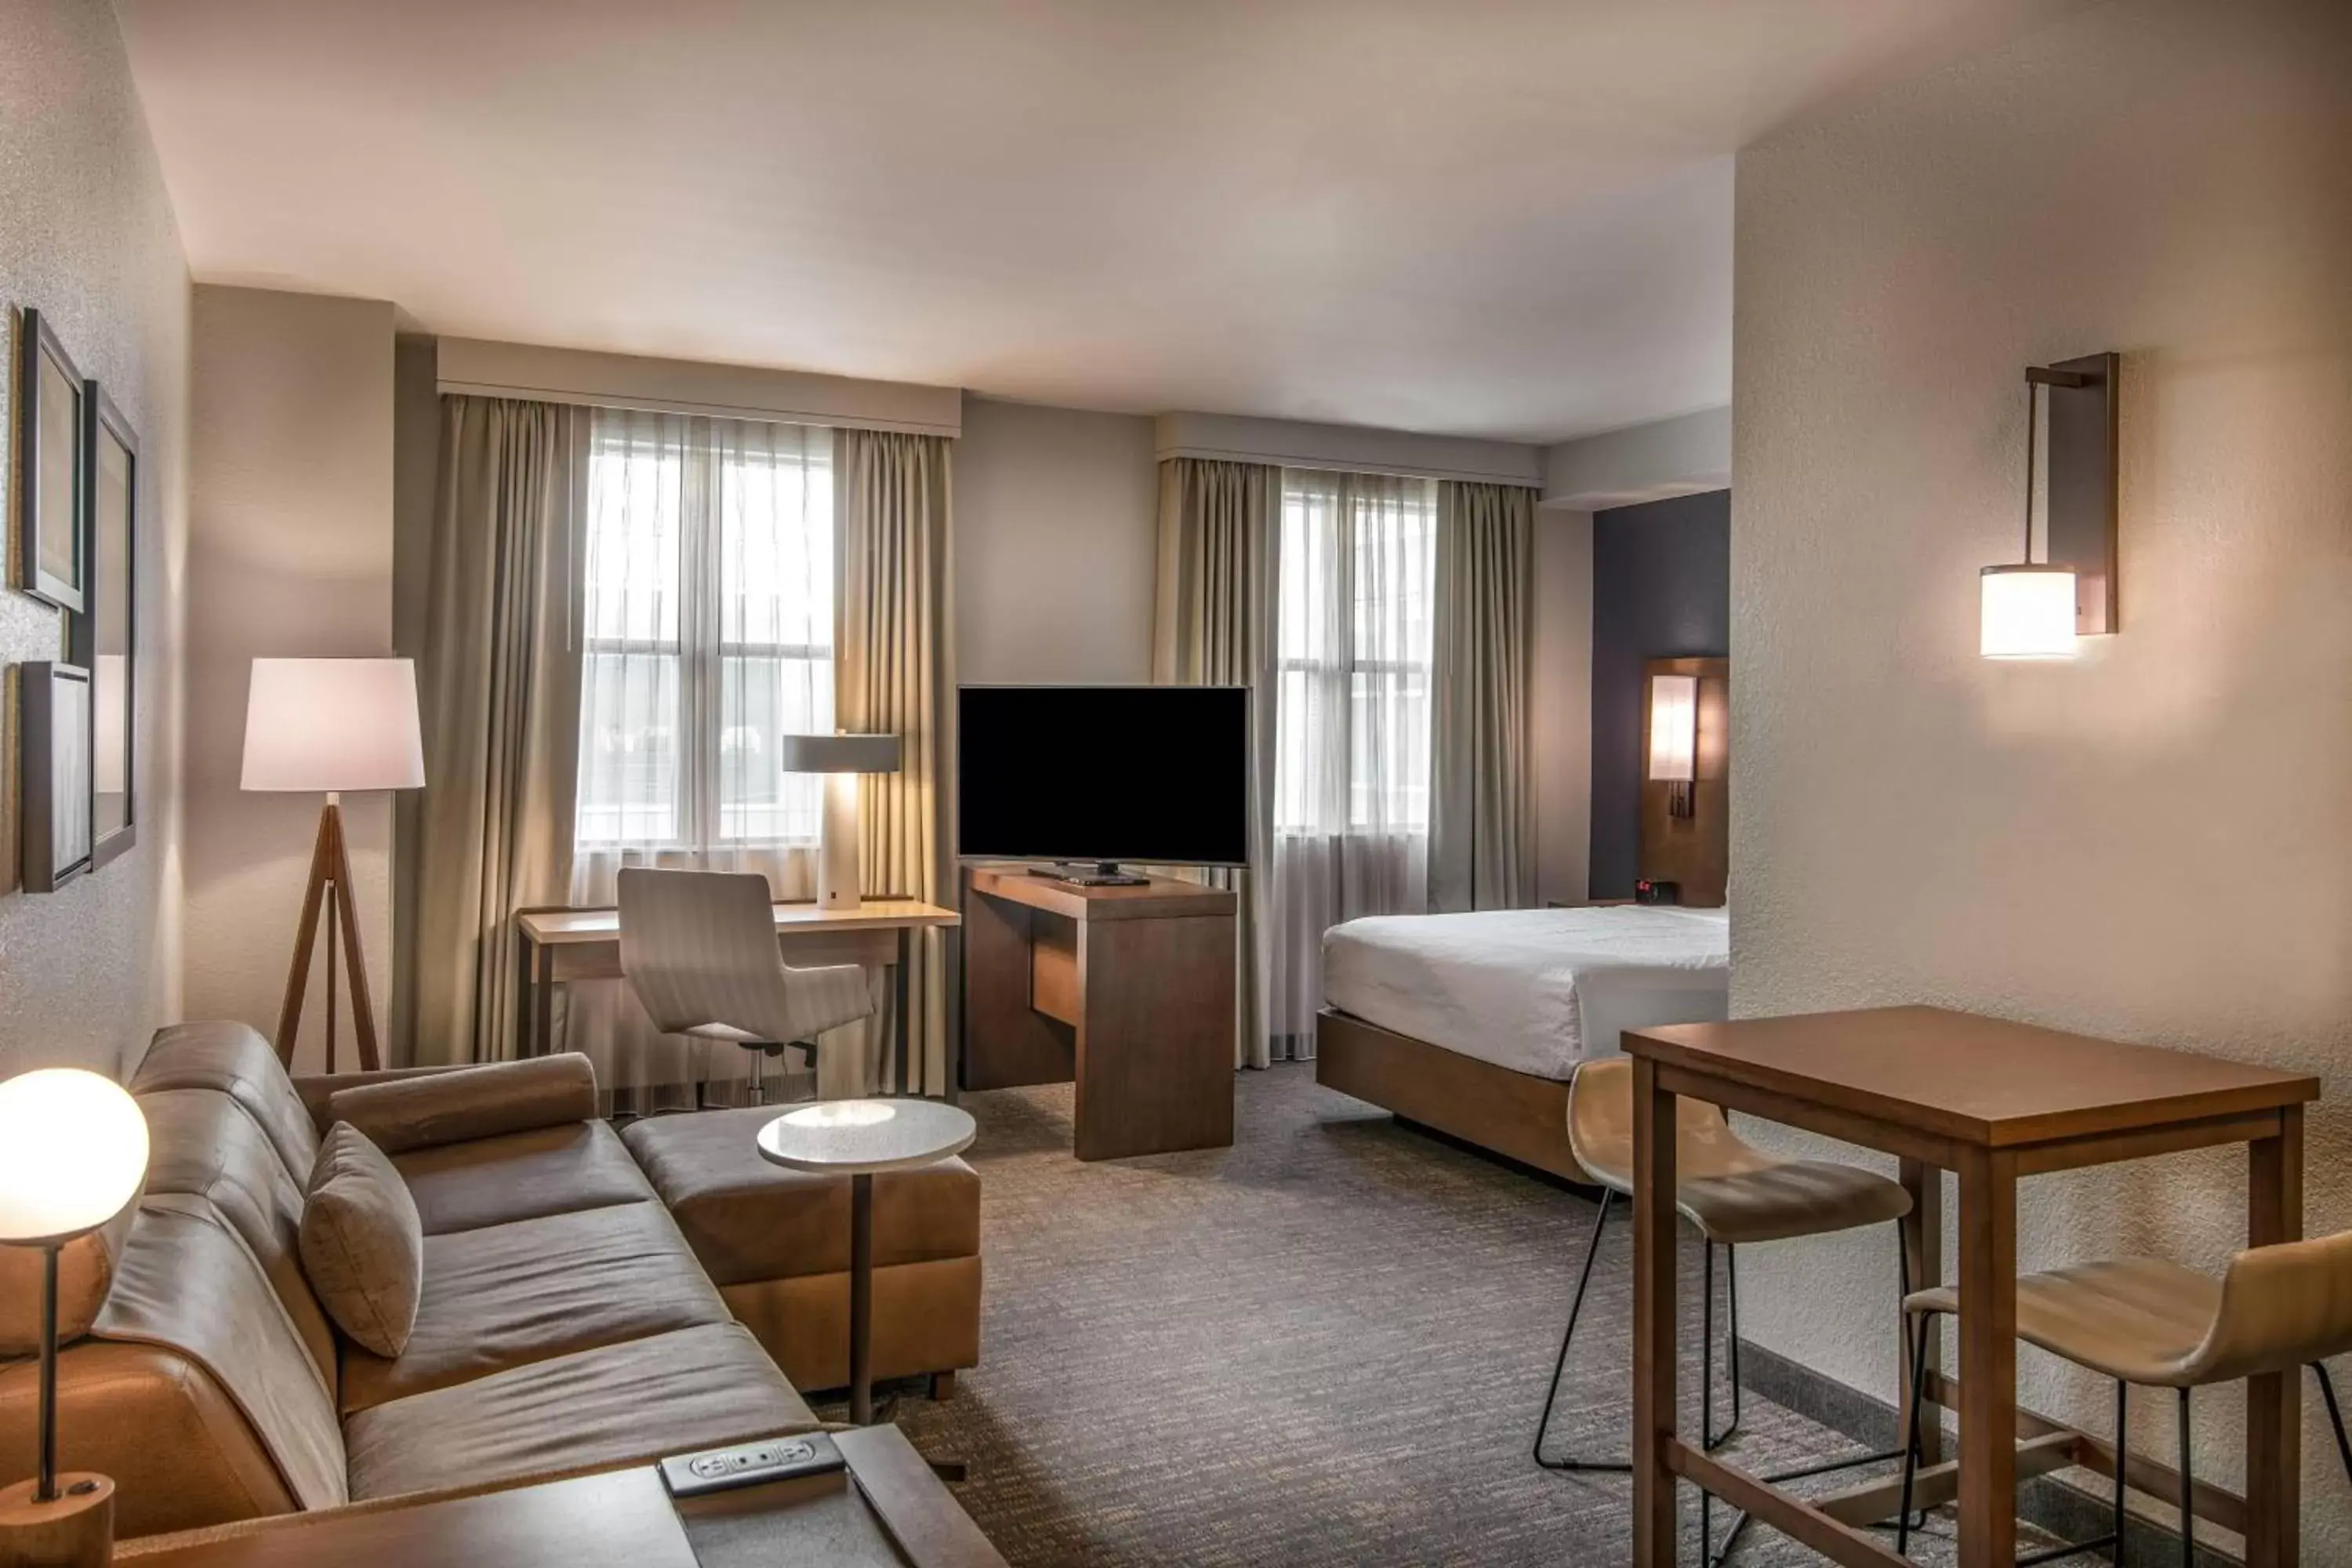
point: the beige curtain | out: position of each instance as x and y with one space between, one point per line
499 686
1482 842
893 673
1220 528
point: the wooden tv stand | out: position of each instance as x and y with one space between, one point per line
1129 992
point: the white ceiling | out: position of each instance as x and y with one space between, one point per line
1506 219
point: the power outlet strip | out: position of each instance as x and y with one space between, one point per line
750 1464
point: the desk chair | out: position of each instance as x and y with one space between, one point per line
700 949
2143 1321
1735 1195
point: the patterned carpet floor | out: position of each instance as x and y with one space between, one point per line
1325 1345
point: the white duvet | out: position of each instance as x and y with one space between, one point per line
1535 991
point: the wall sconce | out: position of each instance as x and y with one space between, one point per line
1674 738
2037 609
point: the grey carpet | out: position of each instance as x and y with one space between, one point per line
1325 1345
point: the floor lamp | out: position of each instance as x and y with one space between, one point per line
73 1150
331 725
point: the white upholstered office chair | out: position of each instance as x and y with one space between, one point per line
700 949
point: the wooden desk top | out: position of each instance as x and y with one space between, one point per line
1972 1079
1163 898
560 928
896 1513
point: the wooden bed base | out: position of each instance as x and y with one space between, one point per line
1515 1114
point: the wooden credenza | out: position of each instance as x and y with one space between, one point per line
1129 992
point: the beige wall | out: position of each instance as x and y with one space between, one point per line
2154 840
1561 696
1056 515
290 553
89 240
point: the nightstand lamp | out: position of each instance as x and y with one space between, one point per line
73 1151
841 758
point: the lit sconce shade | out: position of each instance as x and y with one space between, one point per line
2029 612
1674 728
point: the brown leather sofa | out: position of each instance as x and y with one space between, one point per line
565 1323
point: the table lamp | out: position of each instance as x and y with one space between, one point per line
841 758
325 726
73 1150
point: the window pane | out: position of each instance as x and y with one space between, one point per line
634 537
766 699
630 755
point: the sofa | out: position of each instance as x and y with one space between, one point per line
567 1321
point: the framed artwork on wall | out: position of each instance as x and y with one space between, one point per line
105 637
54 703
52 562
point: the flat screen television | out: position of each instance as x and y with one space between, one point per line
1154 776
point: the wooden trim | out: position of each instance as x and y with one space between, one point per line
1801 1523
2111 1148
1987 1283
1656 1319
1515 1114
1937 1484
1163 898
2274 1400
1845 1126
912 1506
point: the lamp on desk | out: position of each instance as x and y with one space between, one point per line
325 726
73 1151
841 758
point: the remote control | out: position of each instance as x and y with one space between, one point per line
750 1464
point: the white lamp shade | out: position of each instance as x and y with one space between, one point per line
839 754
73 1150
1674 728
2029 612
323 724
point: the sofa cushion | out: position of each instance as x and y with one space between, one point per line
620 1405
207 1144
464 1104
361 1242
507 1295
751 1220
235 1061
85 1273
524 1176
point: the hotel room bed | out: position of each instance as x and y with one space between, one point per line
1473 1024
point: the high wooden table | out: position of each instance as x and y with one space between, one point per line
1992 1102
552 946
891 1513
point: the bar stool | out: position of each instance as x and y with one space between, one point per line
2144 1320
1734 1195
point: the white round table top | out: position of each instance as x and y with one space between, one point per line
858 1137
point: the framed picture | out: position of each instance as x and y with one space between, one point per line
51 560
105 634
54 700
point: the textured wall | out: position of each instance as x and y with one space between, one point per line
290 553
89 240
1056 515
2152 840
1660 590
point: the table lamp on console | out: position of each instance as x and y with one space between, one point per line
841 758
73 1152
326 726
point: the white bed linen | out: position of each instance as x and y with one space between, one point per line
1535 991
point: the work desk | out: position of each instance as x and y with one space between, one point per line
1994 1103
557 945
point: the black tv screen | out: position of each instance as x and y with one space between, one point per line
1150 774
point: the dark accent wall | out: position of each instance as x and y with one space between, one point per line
1661 589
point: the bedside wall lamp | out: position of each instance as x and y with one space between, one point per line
1674 738
2037 609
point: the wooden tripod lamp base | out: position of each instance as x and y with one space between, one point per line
330 890
326 725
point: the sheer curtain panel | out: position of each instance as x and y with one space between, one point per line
499 690
1355 599
1481 843
1214 626
706 634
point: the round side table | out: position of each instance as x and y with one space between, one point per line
856 1138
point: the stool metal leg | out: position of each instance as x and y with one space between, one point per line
2123 1454
2187 1506
1919 1335
1559 1363
2335 1417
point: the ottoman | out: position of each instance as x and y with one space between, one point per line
776 1242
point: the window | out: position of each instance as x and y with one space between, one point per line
708 614
1353 634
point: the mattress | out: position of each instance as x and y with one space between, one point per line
1537 991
